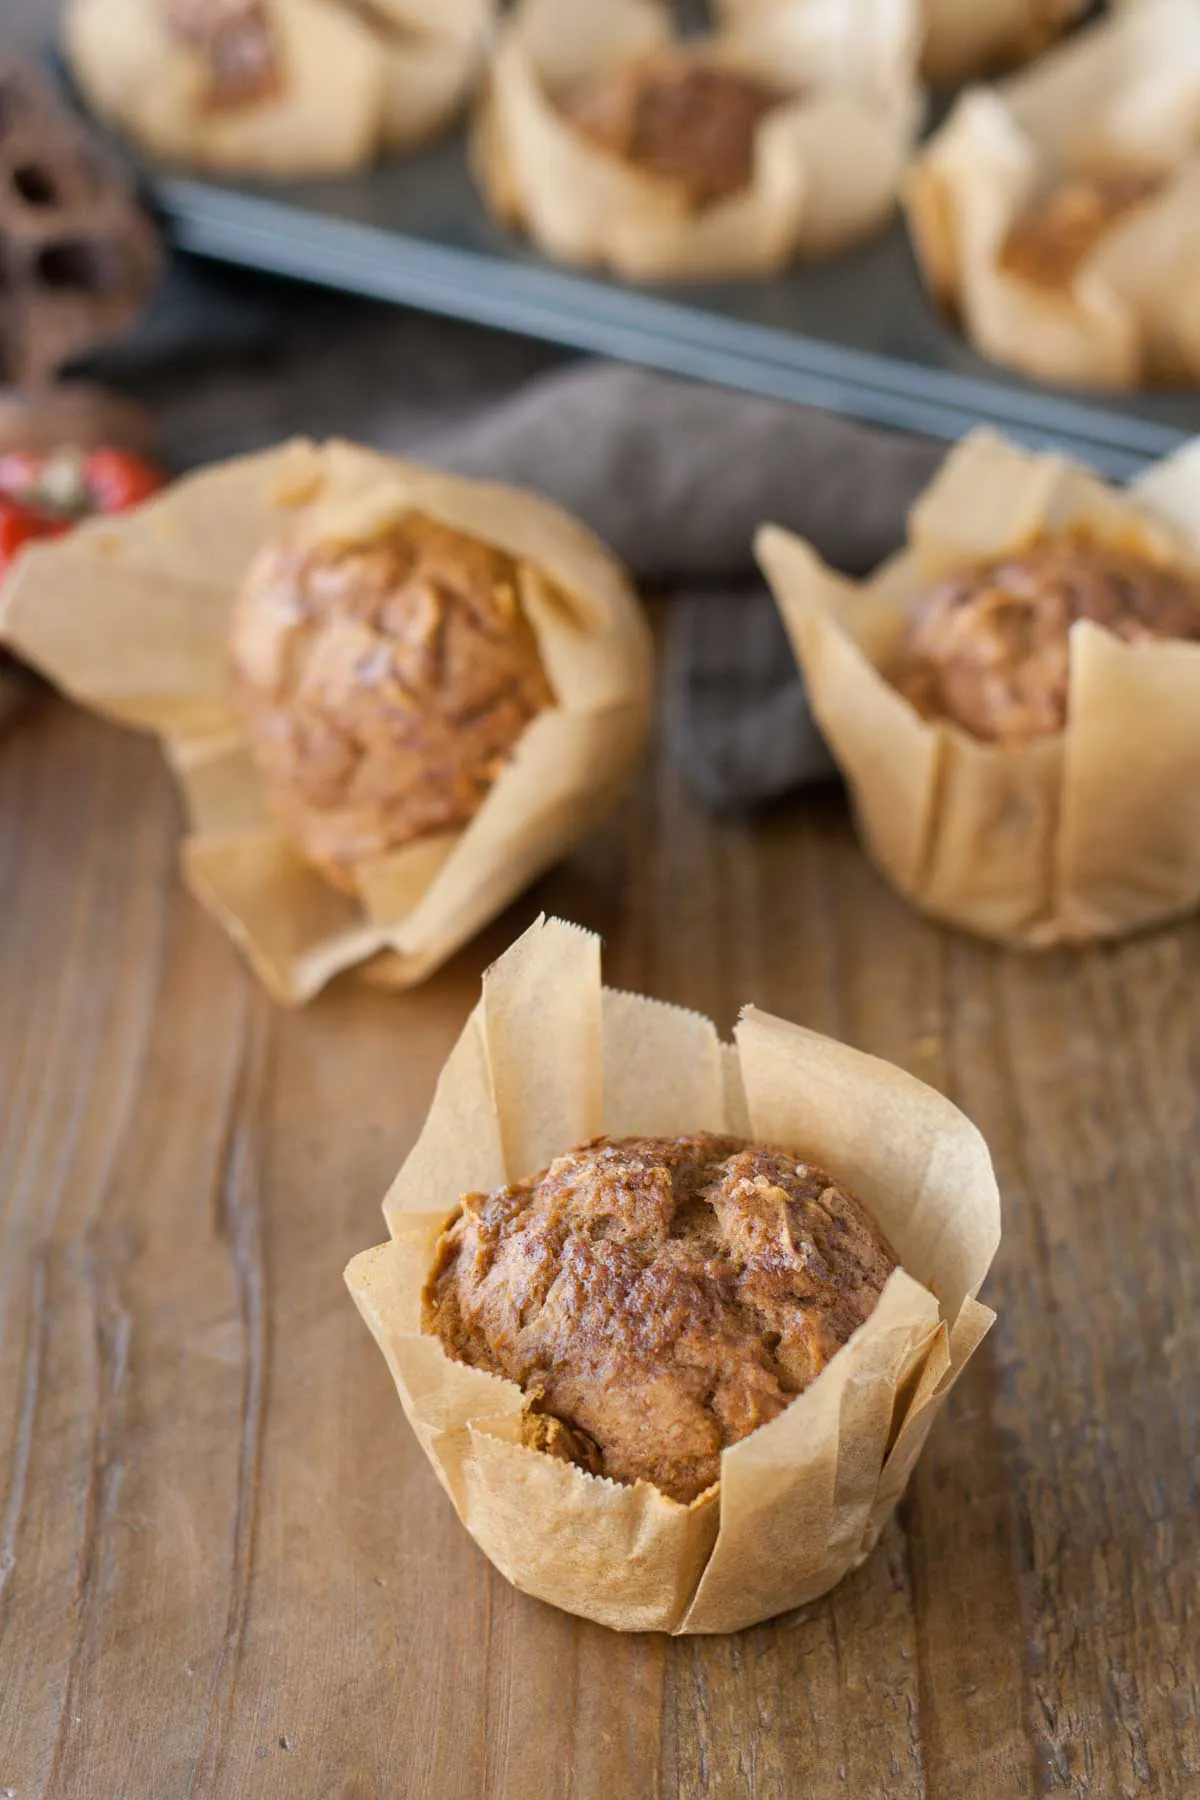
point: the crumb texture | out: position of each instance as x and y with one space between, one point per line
659 1298
383 686
989 648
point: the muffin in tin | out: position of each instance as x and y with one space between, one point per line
610 142
1056 216
277 87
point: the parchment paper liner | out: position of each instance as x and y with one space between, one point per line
130 616
432 64
957 38
828 165
1089 834
1123 95
325 119
548 1059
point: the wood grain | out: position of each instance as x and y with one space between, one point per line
227 1571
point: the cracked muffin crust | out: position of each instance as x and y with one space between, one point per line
679 120
383 685
656 1298
989 648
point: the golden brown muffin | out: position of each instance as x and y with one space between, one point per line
383 686
989 648
1055 237
236 39
657 1298
679 120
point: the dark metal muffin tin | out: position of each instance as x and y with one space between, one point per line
857 335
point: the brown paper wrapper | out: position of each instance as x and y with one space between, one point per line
1090 834
350 81
324 119
828 164
1123 95
131 616
969 37
434 53
548 1059
957 38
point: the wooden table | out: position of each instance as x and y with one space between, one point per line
227 1570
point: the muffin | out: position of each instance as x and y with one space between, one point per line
1056 217
660 1298
1015 698
677 1380
383 684
611 143
393 697
989 648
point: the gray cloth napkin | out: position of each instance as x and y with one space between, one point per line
677 477
674 476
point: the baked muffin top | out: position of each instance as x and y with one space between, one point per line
657 1298
383 685
989 647
1051 241
678 119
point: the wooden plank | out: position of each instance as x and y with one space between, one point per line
228 1572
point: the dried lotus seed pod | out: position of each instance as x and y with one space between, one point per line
78 258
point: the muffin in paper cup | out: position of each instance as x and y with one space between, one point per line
306 96
133 617
277 87
1091 832
549 1059
1057 215
434 53
825 160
